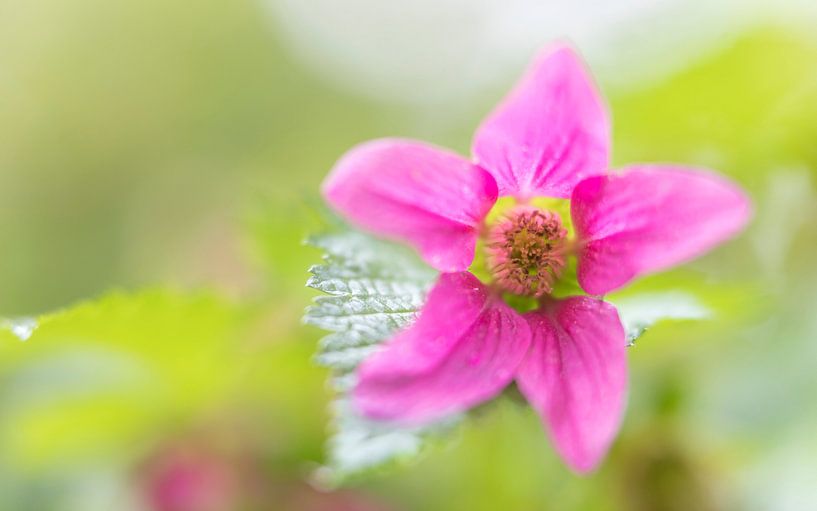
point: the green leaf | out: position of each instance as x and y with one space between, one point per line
103 384
375 288
89 377
640 312
359 444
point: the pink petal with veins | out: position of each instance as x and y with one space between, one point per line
464 349
414 192
549 133
575 377
649 218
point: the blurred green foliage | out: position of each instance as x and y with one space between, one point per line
151 143
108 382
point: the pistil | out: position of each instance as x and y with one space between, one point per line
526 251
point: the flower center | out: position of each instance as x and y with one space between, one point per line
526 251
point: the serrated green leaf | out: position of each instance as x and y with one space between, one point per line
376 289
360 445
349 312
346 359
640 312
337 280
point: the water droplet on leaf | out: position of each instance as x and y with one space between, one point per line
22 328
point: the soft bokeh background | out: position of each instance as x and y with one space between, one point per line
169 151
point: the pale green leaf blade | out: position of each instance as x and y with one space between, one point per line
375 289
640 312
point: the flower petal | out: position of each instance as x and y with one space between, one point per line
575 376
549 133
463 349
650 218
414 192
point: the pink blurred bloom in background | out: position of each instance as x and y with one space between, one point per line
549 138
190 479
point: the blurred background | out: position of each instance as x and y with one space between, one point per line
157 162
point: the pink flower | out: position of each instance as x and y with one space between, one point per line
549 138
185 478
